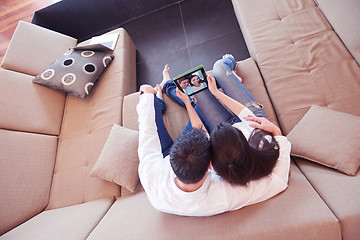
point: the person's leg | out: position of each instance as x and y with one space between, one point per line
233 87
164 136
212 111
169 88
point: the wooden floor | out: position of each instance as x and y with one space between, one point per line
11 12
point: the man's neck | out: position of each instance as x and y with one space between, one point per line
192 187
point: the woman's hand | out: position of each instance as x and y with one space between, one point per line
264 124
180 94
212 85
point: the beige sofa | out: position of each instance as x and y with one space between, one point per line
47 184
51 140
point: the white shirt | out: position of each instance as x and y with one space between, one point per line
215 195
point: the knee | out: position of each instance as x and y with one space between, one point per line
219 68
224 65
219 65
168 85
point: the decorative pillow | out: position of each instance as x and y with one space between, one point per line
328 137
118 161
75 72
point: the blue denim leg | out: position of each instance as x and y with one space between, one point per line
164 136
169 89
212 111
233 87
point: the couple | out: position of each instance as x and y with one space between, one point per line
246 160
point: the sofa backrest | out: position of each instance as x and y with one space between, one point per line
85 128
30 122
301 58
344 18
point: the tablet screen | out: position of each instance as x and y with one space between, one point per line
192 81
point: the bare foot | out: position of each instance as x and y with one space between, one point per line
166 75
236 66
159 92
227 55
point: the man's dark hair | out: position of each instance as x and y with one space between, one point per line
239 161
190 156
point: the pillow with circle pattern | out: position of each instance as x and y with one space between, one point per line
75 72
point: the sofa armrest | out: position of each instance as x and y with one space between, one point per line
33 48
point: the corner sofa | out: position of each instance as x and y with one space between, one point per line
50 141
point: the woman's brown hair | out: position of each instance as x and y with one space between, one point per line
239 161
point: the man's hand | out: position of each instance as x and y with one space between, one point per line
180 94
147 89
264 124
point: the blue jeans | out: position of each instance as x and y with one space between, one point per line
233 87
213 111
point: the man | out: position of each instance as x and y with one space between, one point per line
182 182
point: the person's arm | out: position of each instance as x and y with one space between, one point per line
232 104
264 124
149 149
194 117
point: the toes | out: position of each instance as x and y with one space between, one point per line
227 55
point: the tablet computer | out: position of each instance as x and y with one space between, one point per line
192 81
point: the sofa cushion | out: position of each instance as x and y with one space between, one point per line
27 165
297 213
339 191
74 222
33 48
75 72
328 137
28 107
119 161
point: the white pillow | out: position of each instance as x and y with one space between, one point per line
118 161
